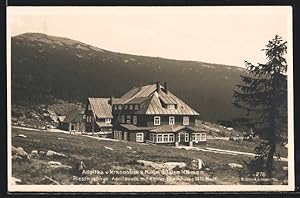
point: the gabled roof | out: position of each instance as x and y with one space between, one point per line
167 128
101 107
61 118
73 116
152 101
137 100
154 106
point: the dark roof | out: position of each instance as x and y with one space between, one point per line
73 116
101 107
152 101
132 127
167 128
103 124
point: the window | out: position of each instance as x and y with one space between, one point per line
72 127
186 120
197 137
130 107
156 120
171 120
128 119
116 107
171 138
202 136
118 135
126 107
171 106
140 137
107 120
166 138
89 107
186 137
123 119
162 138
136 107
84 117
120 107
159 138
89 119
134 121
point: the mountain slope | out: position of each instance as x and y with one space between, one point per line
45 65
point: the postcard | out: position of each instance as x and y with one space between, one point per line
150 99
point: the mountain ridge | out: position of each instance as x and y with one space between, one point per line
63 68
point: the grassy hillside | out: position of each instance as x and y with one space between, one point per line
46 67
103 155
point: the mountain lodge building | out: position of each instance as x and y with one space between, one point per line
153 114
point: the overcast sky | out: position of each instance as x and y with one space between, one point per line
225 35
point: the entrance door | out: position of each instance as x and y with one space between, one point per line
125 136
183 136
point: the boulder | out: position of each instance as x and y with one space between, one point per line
34 152
51 153
108 148
20 152
235 165
54 164
172 165
21 135
197 164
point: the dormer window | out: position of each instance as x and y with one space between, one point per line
156 120
130 107
170 106
136 107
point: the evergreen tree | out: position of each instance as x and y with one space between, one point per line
263 94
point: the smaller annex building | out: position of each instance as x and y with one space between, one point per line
73 121
98 114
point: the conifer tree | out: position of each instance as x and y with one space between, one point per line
263 94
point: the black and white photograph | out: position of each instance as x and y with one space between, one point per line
150 98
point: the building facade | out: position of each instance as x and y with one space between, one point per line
153 114
73 121
98 117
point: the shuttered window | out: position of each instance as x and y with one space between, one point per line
186 120
134 121
171 120
156 120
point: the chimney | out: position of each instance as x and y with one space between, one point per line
111 100
157 87
166 87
